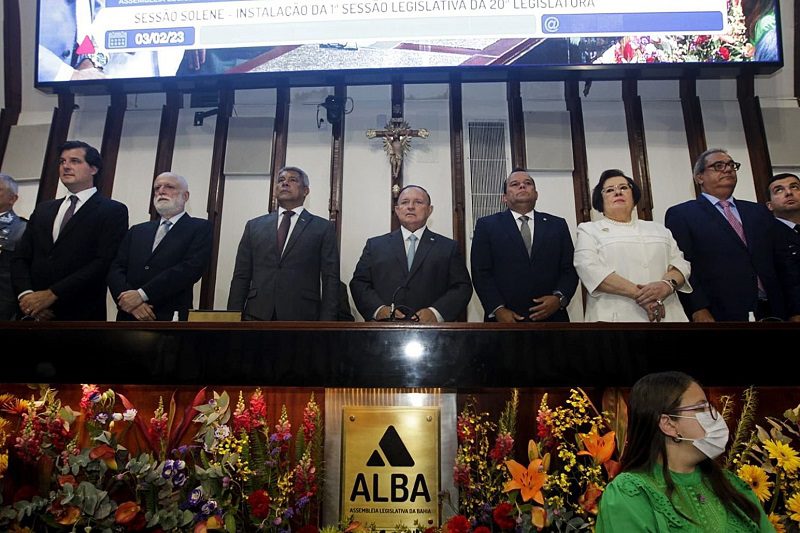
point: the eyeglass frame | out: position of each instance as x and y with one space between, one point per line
622 187
701 407
734 165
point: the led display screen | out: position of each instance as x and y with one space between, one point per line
81 40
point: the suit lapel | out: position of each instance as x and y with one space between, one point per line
720 219
150 237
398 248
509 223
83 213
424 246
541 229
303 220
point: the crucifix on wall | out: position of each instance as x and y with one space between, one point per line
397 136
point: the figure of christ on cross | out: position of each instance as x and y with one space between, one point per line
397 143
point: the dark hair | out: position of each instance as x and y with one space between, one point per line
776 177
753 11
516 169
415 187
90 154
597 193
652 396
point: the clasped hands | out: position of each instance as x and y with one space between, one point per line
650 297
131 302
37 304
543 308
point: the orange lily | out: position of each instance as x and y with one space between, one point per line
126 512
599 448
529 480
539 517
106 454
68 515
588 500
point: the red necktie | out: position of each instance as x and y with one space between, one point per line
283 230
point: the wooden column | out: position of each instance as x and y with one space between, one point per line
516 125
398 104
280 133
337 165
165 148
12 82
109 146
637 144
216 190
580 165
59 129
693 124
755 134
457 164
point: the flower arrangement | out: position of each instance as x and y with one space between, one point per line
733 45
240 473
568 467
767 459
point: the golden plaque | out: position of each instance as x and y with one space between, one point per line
390 466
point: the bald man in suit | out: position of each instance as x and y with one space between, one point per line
391 282
158 263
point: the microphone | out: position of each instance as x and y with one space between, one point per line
409 315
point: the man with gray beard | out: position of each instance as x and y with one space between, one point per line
159 261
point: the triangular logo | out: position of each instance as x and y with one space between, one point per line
375 459
393 449
86 47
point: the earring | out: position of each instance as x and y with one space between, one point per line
677 438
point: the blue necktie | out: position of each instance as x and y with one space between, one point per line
412 249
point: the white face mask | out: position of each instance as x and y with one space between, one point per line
713 444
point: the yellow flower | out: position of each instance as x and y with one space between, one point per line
793 505
784 454
3 464
757 479
529 480
776 522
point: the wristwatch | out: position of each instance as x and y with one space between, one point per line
562 300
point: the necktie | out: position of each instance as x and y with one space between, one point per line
525 231
283 230
68 214
163 228
412 249
732 220
737 227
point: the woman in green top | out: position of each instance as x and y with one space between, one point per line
669 480
762 28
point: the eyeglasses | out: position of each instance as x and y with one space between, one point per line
700 408
611 190
720 166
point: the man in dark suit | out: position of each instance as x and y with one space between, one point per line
159 261
522 259
412 268
60 266
731 245
287 265
784 202
11 229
